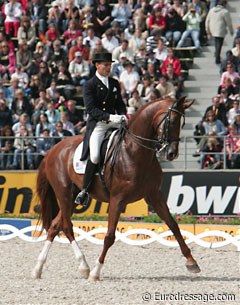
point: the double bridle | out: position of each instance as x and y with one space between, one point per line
164 125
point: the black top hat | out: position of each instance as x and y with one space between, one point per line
102 57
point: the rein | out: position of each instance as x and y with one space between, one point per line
164 141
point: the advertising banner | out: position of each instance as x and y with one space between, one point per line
201 193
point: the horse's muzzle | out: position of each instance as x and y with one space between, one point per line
172 151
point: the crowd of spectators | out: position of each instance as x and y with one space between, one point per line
222 118
46 51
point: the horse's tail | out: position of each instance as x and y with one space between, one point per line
48 201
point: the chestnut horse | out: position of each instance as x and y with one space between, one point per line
137 174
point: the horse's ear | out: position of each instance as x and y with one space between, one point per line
188 104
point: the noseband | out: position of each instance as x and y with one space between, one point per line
164 126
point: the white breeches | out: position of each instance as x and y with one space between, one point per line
96 139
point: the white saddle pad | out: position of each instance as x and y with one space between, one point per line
80 166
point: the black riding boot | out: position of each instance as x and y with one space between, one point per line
91 169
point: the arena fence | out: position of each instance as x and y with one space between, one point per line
96 236
185 160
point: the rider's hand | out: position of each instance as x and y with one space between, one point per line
116 118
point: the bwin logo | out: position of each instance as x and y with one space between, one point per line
181 198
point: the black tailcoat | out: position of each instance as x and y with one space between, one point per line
100 102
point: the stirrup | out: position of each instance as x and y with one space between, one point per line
82 198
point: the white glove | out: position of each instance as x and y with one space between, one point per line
116 118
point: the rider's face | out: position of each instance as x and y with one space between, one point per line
104 68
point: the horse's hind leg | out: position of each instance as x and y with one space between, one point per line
113 217
158 202
54 229
68 230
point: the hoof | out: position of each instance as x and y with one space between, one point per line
84 273
93 278
193 268
36 275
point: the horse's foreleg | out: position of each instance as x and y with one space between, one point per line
158 202
113 217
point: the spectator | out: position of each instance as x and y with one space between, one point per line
217 22
56 56
180 7
135 102
87 18
5 114
119 66
23 78
38 12
99 48
174 27
140 60
26 33
212 127
142 11
20 105
152 73
137 41
54 15
174 61
84 49
24 57
156 21
165 87
237 122
51 35
52 114
60 132
175 79
227 85
102 14
193 20
236 48
123 48
109 41
7 61
13 13
129 80
67 125
145 88
79 70
121 13
43 144
71 34
9 93
233 111
230 73
5 38
118 33
128 33
233 148
219 110
7 153
70 12
52 92
161 52
39 55
152 40
6 134
24 120
43 125
90 39
155 94
230 59
40 106
34 88
210 155
44 75
75 116
23 144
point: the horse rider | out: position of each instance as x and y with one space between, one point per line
105 109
